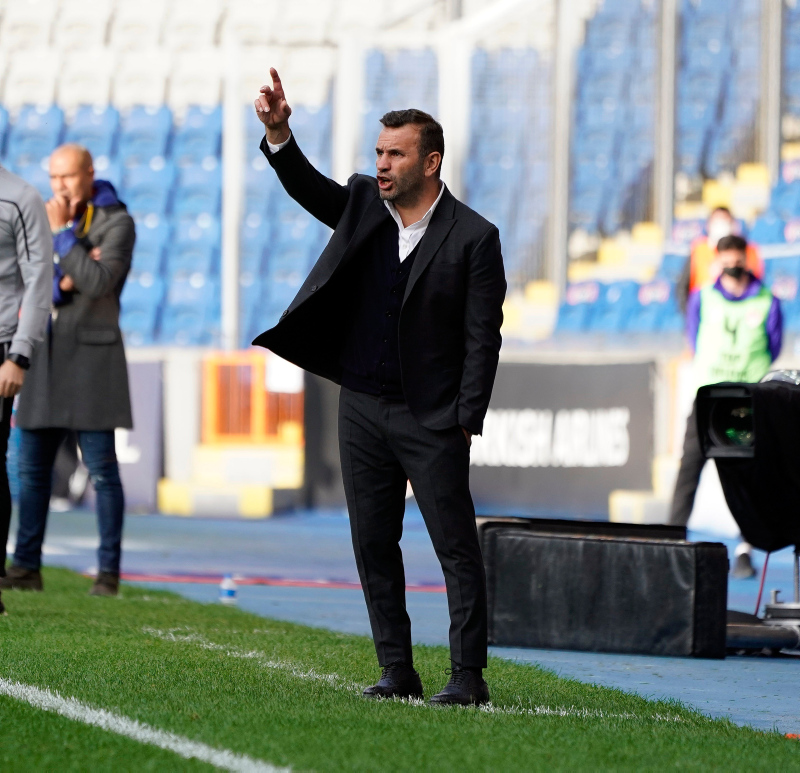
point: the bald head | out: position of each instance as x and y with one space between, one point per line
72 175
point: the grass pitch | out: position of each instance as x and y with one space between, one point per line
290 695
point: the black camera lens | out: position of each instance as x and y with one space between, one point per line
731 423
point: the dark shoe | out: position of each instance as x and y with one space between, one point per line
18 578
465 688
2 608
743 567
398 680
106 584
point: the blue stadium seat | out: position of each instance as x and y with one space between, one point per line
785 200
251 259
95 128
199 136
34 135
575 312
147 187
147 258
198 189
615 307
191 312
183 260
144 133
110 170
782 276
37 175
768 229
255 230
655 301
585 209
672 266
140 306
203 228
3 129
152 231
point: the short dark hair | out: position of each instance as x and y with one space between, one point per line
721 209
431 136
732 242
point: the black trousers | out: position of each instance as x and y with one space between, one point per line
692 463
382 446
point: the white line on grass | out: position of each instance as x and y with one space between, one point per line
131 728
187 636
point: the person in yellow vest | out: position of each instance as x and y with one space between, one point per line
735 328
703 266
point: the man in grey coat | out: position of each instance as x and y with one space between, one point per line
78 378
26 271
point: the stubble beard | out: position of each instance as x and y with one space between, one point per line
407 189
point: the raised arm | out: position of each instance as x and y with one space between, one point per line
324 198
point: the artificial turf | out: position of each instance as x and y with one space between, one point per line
289 695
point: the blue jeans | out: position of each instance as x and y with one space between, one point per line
37 455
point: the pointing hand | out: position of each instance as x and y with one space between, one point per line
273 110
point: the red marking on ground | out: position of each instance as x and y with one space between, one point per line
796 736
283 582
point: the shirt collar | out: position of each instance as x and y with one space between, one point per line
423 221
752 289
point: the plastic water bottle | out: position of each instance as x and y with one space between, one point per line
227 590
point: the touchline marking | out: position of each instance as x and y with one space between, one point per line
131 728
187 636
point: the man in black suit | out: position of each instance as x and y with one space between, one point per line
403 309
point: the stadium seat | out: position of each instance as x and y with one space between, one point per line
147 258
140 306
84 78
34 135
191 312
141 78
198 190
768 229
153 231
26 26
195 78
198 137
81 26
191 25
95 128
144 132
575 312
147 187
183 260
204 228
615 307
672 266
37 175
31 78
137 25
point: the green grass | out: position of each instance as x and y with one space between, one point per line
288 695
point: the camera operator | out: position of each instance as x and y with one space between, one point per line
735 329
26 271
78 378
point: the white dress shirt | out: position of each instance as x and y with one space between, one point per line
408 236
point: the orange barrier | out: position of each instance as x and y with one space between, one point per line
238 409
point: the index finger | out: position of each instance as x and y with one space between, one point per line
276 80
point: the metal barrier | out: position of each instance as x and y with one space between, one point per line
238 409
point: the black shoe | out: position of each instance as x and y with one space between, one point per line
106 584
18 578
465 688
398 680
2 608
743 567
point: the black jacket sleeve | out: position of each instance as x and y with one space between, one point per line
324 198
483 318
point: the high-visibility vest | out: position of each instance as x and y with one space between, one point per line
732 342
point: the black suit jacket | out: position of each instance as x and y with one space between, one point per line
452 309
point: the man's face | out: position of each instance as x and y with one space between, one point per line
400 170
71 177
732 259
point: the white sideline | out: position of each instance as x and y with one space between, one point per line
131 728
187 636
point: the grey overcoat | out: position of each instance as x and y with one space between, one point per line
78 377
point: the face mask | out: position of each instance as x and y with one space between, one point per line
717 229
737 272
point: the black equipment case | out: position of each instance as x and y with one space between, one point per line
604 587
